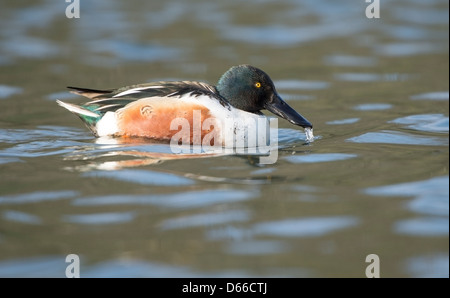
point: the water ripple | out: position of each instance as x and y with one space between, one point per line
124 50
428 266
44 133
425 122
372 107
42 266
22 217
31 47
38 196
55 266
5 160
408 48
184 200
100 218
423 226
306 227
7 91
430 196
205 219
301 85
257 247
444 95
395 137
371 77
343 121
319 157
142 177
288 36
348 60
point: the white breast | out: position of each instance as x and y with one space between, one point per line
238 128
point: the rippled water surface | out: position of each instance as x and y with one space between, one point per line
374 181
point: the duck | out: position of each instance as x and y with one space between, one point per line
156 110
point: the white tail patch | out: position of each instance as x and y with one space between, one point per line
77 109
107 126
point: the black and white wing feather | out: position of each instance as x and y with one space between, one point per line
112 100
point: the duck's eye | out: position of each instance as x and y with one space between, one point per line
257 84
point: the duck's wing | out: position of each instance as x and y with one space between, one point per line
112 100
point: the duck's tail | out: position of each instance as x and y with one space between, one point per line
89 117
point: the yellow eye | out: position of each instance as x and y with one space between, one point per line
258 84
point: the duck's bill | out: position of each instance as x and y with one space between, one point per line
280 108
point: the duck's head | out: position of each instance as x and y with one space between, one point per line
250 89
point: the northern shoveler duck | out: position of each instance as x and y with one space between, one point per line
147 110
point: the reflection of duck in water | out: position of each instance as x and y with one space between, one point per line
148 110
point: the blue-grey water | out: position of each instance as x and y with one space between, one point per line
374 181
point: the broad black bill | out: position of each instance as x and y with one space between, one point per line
280 108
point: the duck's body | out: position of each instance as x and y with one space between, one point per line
156 110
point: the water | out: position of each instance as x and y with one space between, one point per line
374 181
309 134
